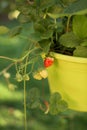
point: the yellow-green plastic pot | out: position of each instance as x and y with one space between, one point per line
68 76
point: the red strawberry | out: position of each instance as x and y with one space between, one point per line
48 61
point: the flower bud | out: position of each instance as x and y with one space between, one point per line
6 75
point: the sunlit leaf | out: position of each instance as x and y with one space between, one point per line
84 43
79 26
80 51
55 16
69 40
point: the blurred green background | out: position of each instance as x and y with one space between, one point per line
11 96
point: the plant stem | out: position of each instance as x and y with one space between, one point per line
68 21
7 68
8 58
25 109
17 60
55 22
25 113
27 54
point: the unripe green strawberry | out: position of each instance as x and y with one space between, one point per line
43 73
19 77
48 61
37 76
26 77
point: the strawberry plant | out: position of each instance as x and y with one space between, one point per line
46 26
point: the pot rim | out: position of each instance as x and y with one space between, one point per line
69 58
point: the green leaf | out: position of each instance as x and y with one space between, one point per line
69 40
45 45
56 9
47 34
34 104
38 36
36 54
55 97
62 105
27 29
80 51
84 43
19 1
79 26
23 18
57 105
33 94
54 109
39 27
78 7
47 3
15 31
33 98
55 16
66 2
35 37
3 30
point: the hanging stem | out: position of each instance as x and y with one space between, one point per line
25 113
20 59
8 58
55 22
25 108
68 22
7 68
